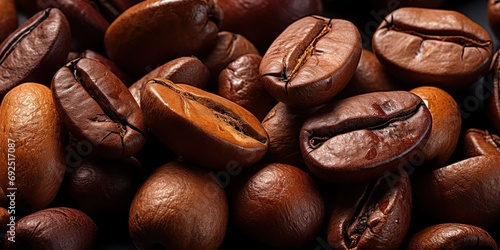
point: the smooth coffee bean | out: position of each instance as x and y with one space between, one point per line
182 201
471 185
240 82
186 70
261 21
440 48
446 125
451 236
87 24
8 18
311 61
492 107
155 32
35 50
56 228
369 77
97 108
358 139
372 216
204 128
494 16
480 142
105 187
33 139
279 205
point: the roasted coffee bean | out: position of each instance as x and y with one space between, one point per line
105 187
157 31
8 18
97 107
471 185
261 21
451 236
186 70
283 125
372 216
494 16
480 142
369 77
440 48
360 138
311 61
492 107
87 24
182 201
446 125
32 141
35 50
54 228
240 82
279 205
206 129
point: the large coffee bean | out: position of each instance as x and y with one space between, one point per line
360 138
98 108
179 207
32 141
311 61
440 48
206 129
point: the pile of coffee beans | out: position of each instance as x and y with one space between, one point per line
235 124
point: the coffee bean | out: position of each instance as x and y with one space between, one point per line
311 61
480 142
492 107
494 17
98 108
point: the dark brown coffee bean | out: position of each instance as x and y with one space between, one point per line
372 216
311 61
451 236
179 28
186 70
369 77
87 24
494 16
360 138
182 201
105 187
480 142
34 51
206 129
261 21
32 141
440 48
54 228
280 206
446 125
8 18
471 185
492 107
228 47
240 82
98 108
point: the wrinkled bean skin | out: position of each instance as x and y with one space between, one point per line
311 61
372 216
451 236
471 185
446 124
492 107
480 142
240 82
347 141
179 28
35 50
97 107
186 70
28 117
56 228
494 16
199 125
8 18
279 205
440 48
178 199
